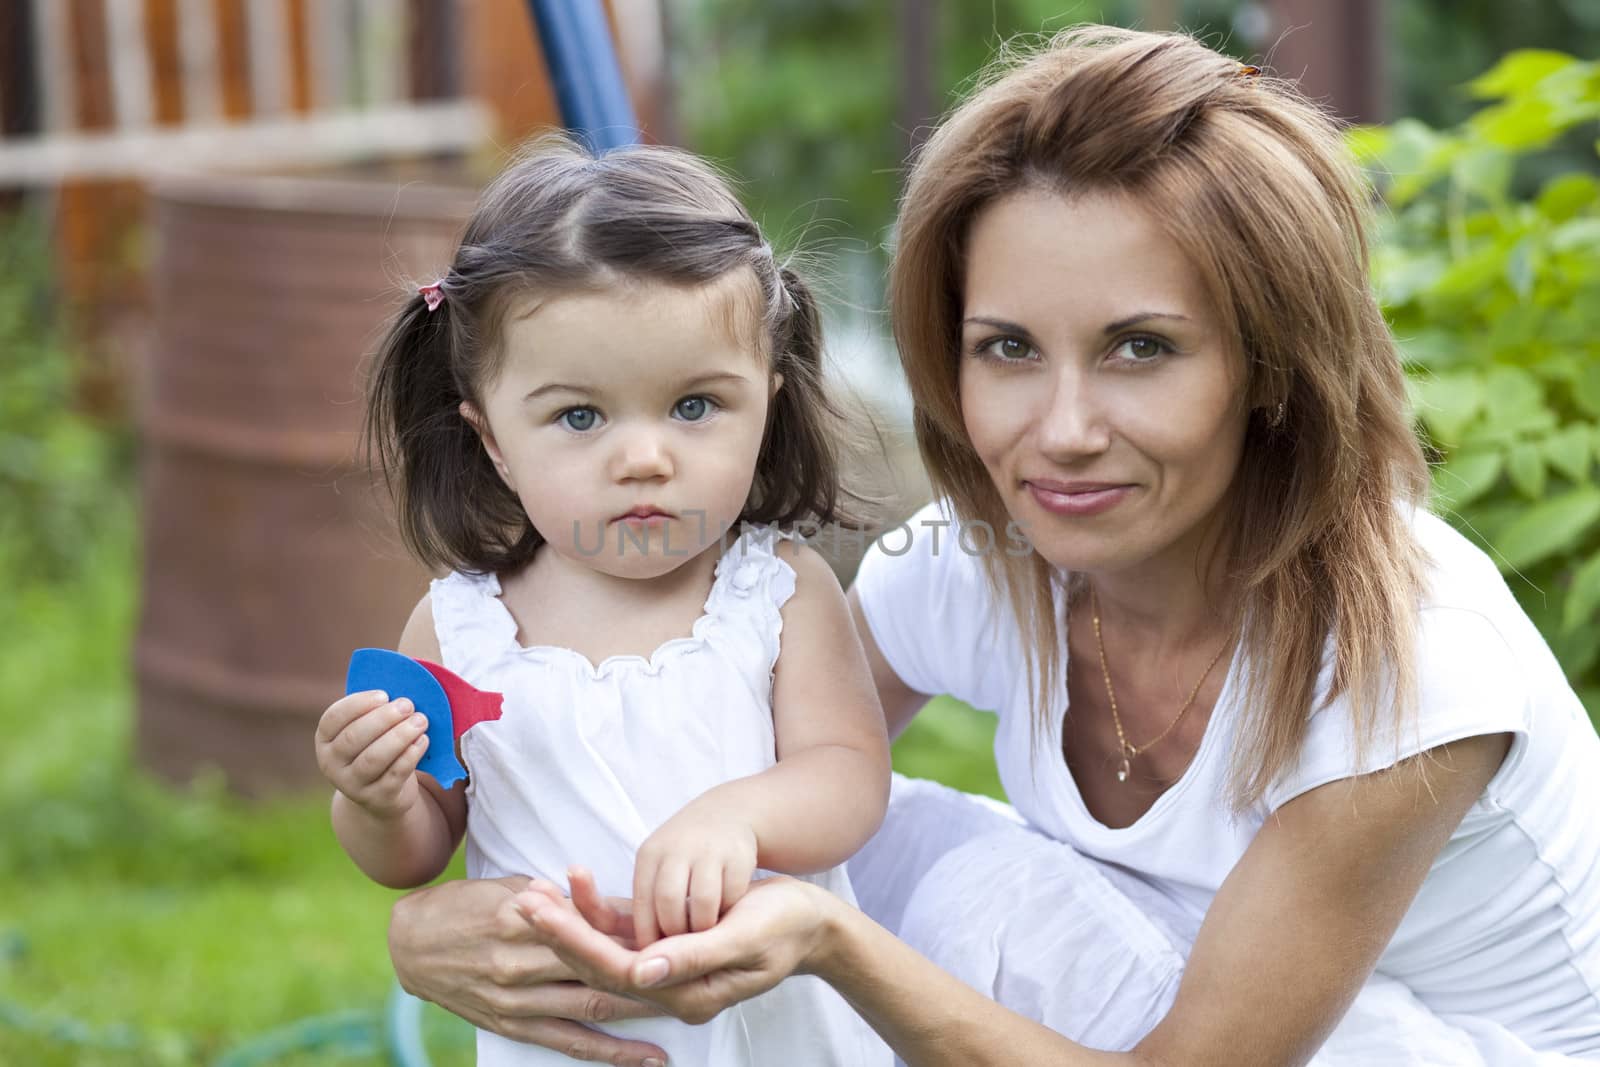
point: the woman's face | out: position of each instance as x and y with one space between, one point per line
1097 384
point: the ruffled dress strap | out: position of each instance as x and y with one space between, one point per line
753 583
473 626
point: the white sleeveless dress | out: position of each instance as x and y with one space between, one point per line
588 760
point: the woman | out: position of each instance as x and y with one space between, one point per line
1284 741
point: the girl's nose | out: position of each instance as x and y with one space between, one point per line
642 456
1071 421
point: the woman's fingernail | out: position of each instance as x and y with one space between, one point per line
653 1062
651 972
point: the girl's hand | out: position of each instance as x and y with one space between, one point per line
690 871
778 928
368 747
465 946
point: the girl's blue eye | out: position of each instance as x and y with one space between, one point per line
1143 349
580 419
692 408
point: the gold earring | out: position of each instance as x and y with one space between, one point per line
1275 419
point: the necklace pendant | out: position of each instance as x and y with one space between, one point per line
1122 771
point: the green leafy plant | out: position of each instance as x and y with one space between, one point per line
61 474
1491 280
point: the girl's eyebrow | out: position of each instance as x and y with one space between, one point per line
713 378
699 381
555 387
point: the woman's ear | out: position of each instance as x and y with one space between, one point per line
478 422
777 383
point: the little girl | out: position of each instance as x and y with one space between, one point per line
600 421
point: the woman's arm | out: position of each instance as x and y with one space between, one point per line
818 804
1286 945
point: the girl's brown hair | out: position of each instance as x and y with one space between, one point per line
561 219
1252 183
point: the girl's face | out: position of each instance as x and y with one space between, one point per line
1097 385
628 420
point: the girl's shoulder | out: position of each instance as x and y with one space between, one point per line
470 625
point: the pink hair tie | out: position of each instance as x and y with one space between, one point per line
432 294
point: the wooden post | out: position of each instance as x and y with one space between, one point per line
915 20
505 68
1336 51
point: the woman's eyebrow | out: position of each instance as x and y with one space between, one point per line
996 324
1142 316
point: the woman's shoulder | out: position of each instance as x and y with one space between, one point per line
1471 629
932 611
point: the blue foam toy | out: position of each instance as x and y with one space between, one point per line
402 676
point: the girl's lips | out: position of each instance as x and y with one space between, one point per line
1059 499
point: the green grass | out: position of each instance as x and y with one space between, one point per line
145 925
141 924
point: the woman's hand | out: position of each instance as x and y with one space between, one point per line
465 946
777 928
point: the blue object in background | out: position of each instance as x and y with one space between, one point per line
583 67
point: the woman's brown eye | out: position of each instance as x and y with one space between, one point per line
1009 348
1144 348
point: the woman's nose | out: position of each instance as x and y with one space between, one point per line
642 456
1072 420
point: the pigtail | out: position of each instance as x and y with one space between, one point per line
444 486
799 478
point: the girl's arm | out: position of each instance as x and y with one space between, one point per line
397 824
1285 947
827 793
812 809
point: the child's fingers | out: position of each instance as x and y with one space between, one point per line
405 764
705 895
379 757
346 710
361 734
644 904
671 897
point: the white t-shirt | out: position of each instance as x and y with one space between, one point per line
1507 923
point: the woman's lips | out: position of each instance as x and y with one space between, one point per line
1077 499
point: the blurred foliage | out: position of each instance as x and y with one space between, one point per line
802 97
58 470
1495 300
1438 46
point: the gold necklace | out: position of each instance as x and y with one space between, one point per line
1130 751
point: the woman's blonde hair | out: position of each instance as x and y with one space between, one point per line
1253 184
